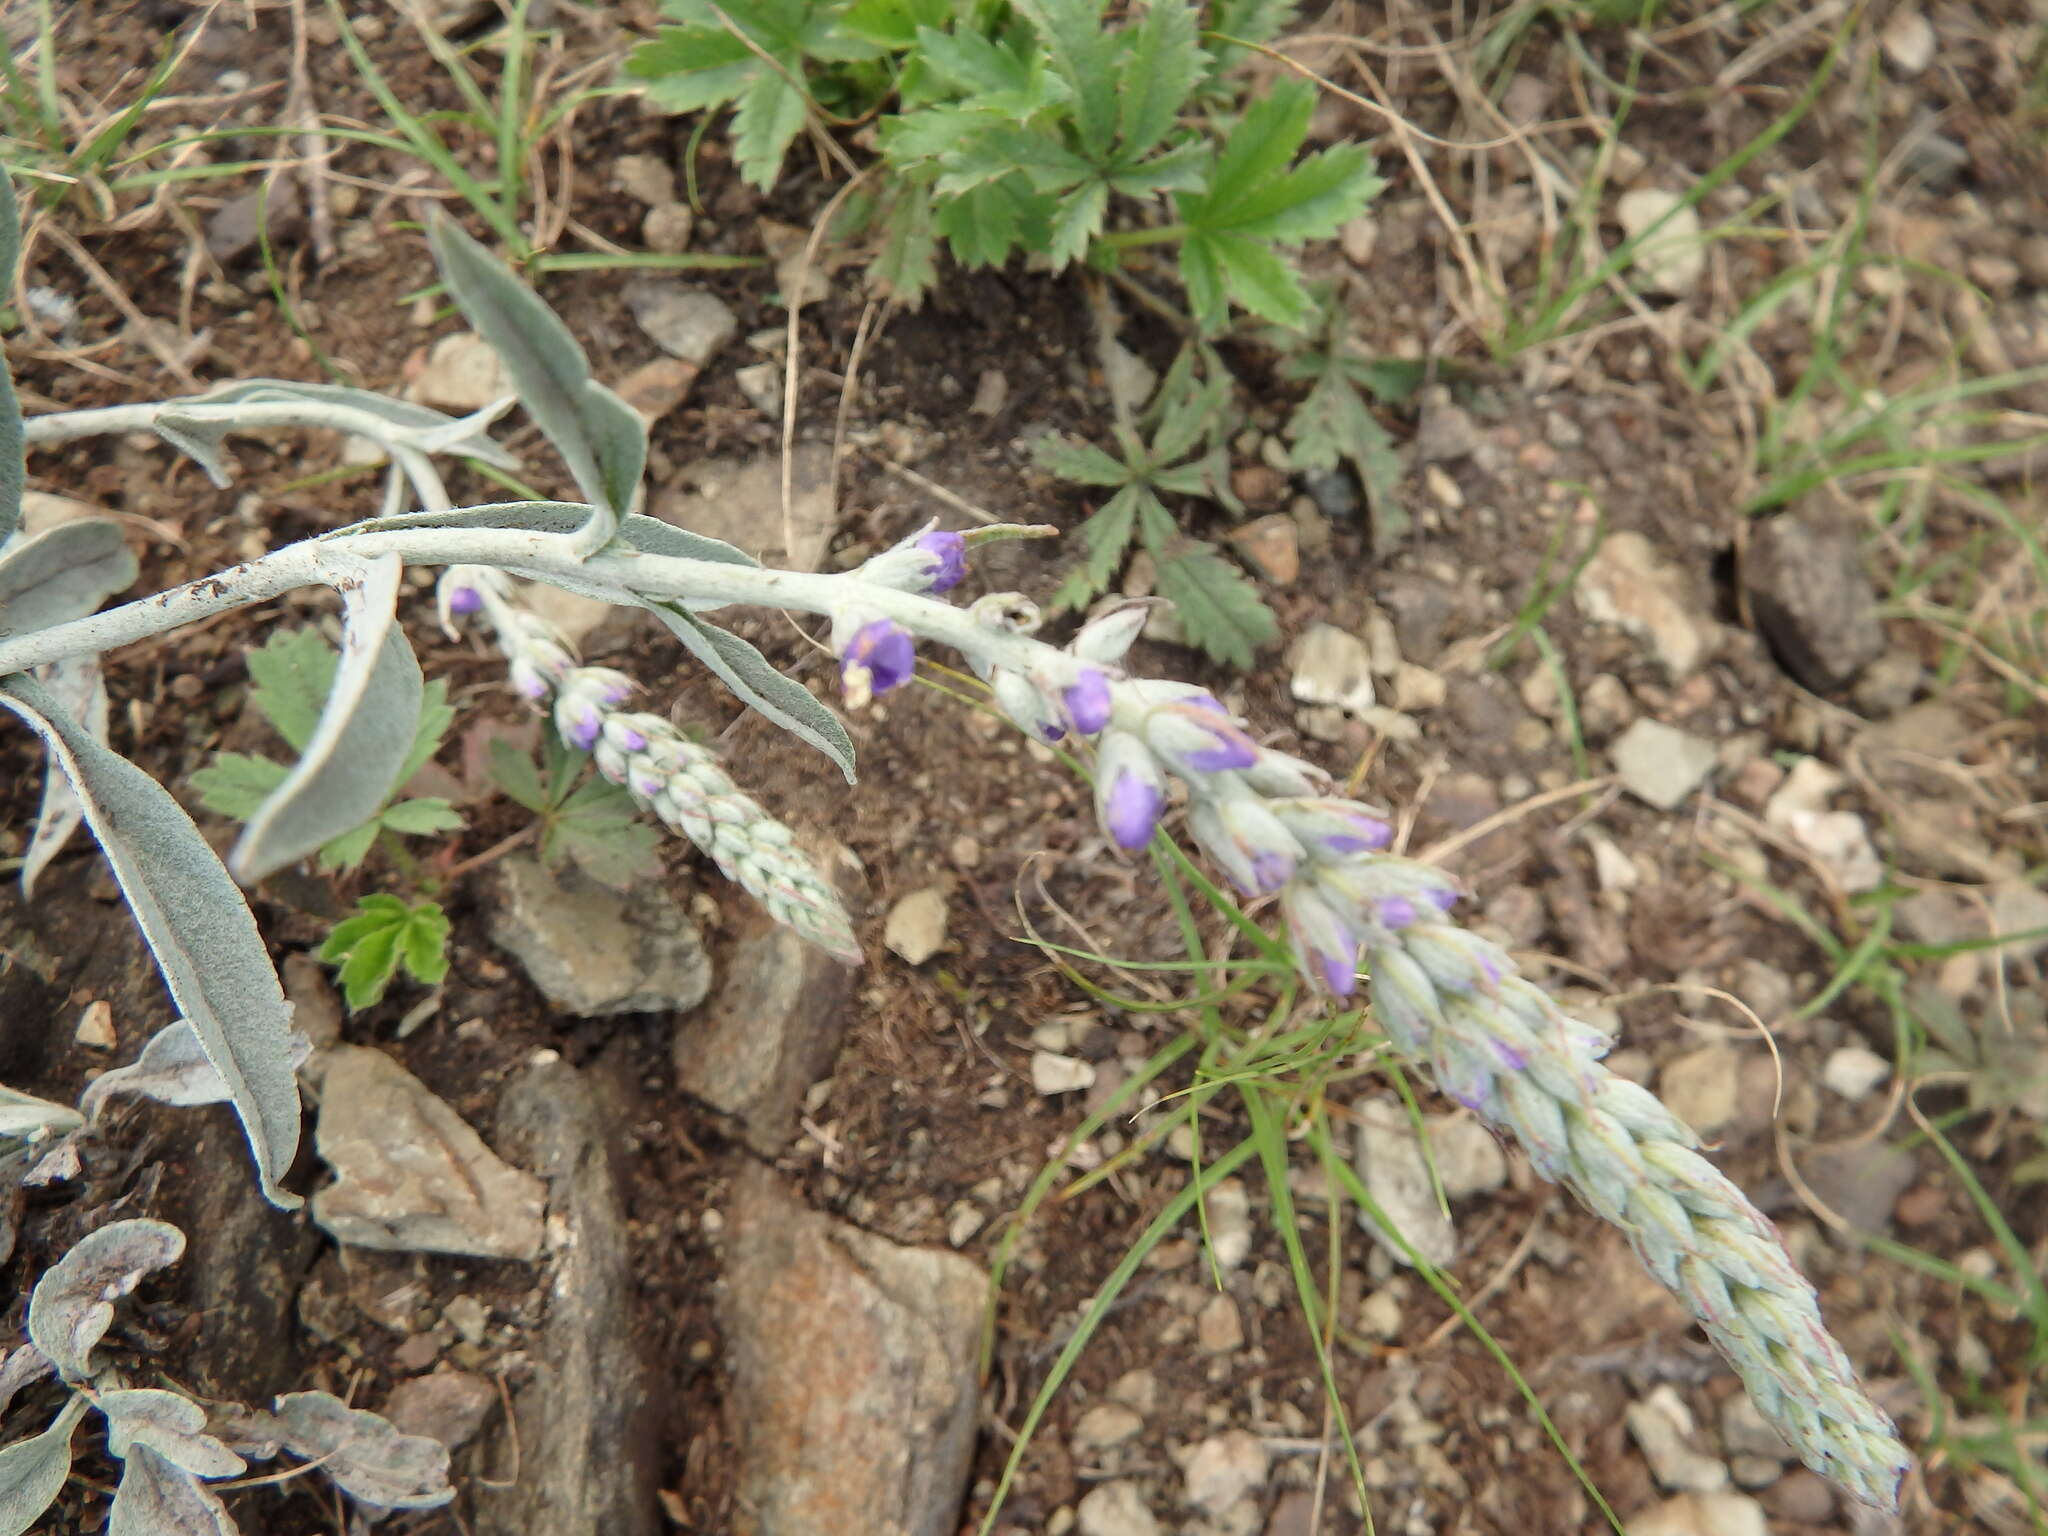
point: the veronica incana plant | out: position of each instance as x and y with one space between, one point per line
1272 824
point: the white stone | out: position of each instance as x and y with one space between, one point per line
1854 1071
1332 667
1052 1074
1672 260
1390 1162
1224 1468
1116 1509
1703 1087
1230 1224
1722 1513
1417 689
96 1026
1662 1426
462 373
1104 1426
916 928
1629 584
1659 764
1908 42
761 383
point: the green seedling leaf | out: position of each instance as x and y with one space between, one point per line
62 573
33 1471
158 1498
367 732
11 449
758 685
600 437
75 683
597 827
1218 608
292 673
72 1305
424 817
196 924
384 934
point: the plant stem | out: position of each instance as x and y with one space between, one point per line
1130 239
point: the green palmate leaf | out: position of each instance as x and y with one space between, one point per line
977 64
63 573
600 437
197 926
1084 56
770 115
368 729
755 681
10 408
1105 537
894 24
1217 607
1183 168
690 68
1071 459
599 829
1076 223
370 947
514 773
1334 423
1159 73
236 784
985 225
352 847
906 266
292 673
422 817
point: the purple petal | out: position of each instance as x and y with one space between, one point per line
1339 974
1396 911
950 549
1444 896
1271 871
1087 702
1515 1060
631 740
1134 807
584 732
1233 749
884 647
465 600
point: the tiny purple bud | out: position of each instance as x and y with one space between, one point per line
1339 974
1133 808
646 785
1191 738
529 682
1088 701
950 551
883 648
1396 911
583 731
465 600
1513 1058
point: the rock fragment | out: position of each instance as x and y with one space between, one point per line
594 952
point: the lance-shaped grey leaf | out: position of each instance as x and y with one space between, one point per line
10 408
81 692
600 437
367 727
198 433
365 1454
23 1116
196 924
158 1498
23 1368
32 1471
170 1424
173 1069
72 1305
63 573
759 685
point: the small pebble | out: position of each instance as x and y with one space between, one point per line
1855 1071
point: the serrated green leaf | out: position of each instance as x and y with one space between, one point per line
437 716
1084 56
1255 151
1105 537
1076 222
1183 168
514 773
1258 278
292 673
1159 71
367 969
236 784
422 817
1219 610
1311 201
769 117
352 847
975 63
1201 274
600 829
1155 525
983 226
424 945
1072 459
895 24
689 70
907 266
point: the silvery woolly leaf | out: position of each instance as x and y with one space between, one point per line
168 1423
23 1116
196 924
158 1498
173 1069
366 1456
600 437
419 426
81 692
754 679
72 1305
10 408
23 1368
199 439
32 1472
62 573
352 765
649 535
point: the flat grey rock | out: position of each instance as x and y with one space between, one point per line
592 951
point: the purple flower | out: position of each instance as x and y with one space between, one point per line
950 552
465 600
1133 808
882 650
1247 841
1396 911
1088 702
1324 945
582 730
1333 829
1196 738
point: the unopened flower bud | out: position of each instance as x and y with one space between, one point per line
1027 708
1333 829
949 556
1247 842
930 560
1278 776
587 694
1194 737
1105 638
1324 944
1130 790
1088 701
